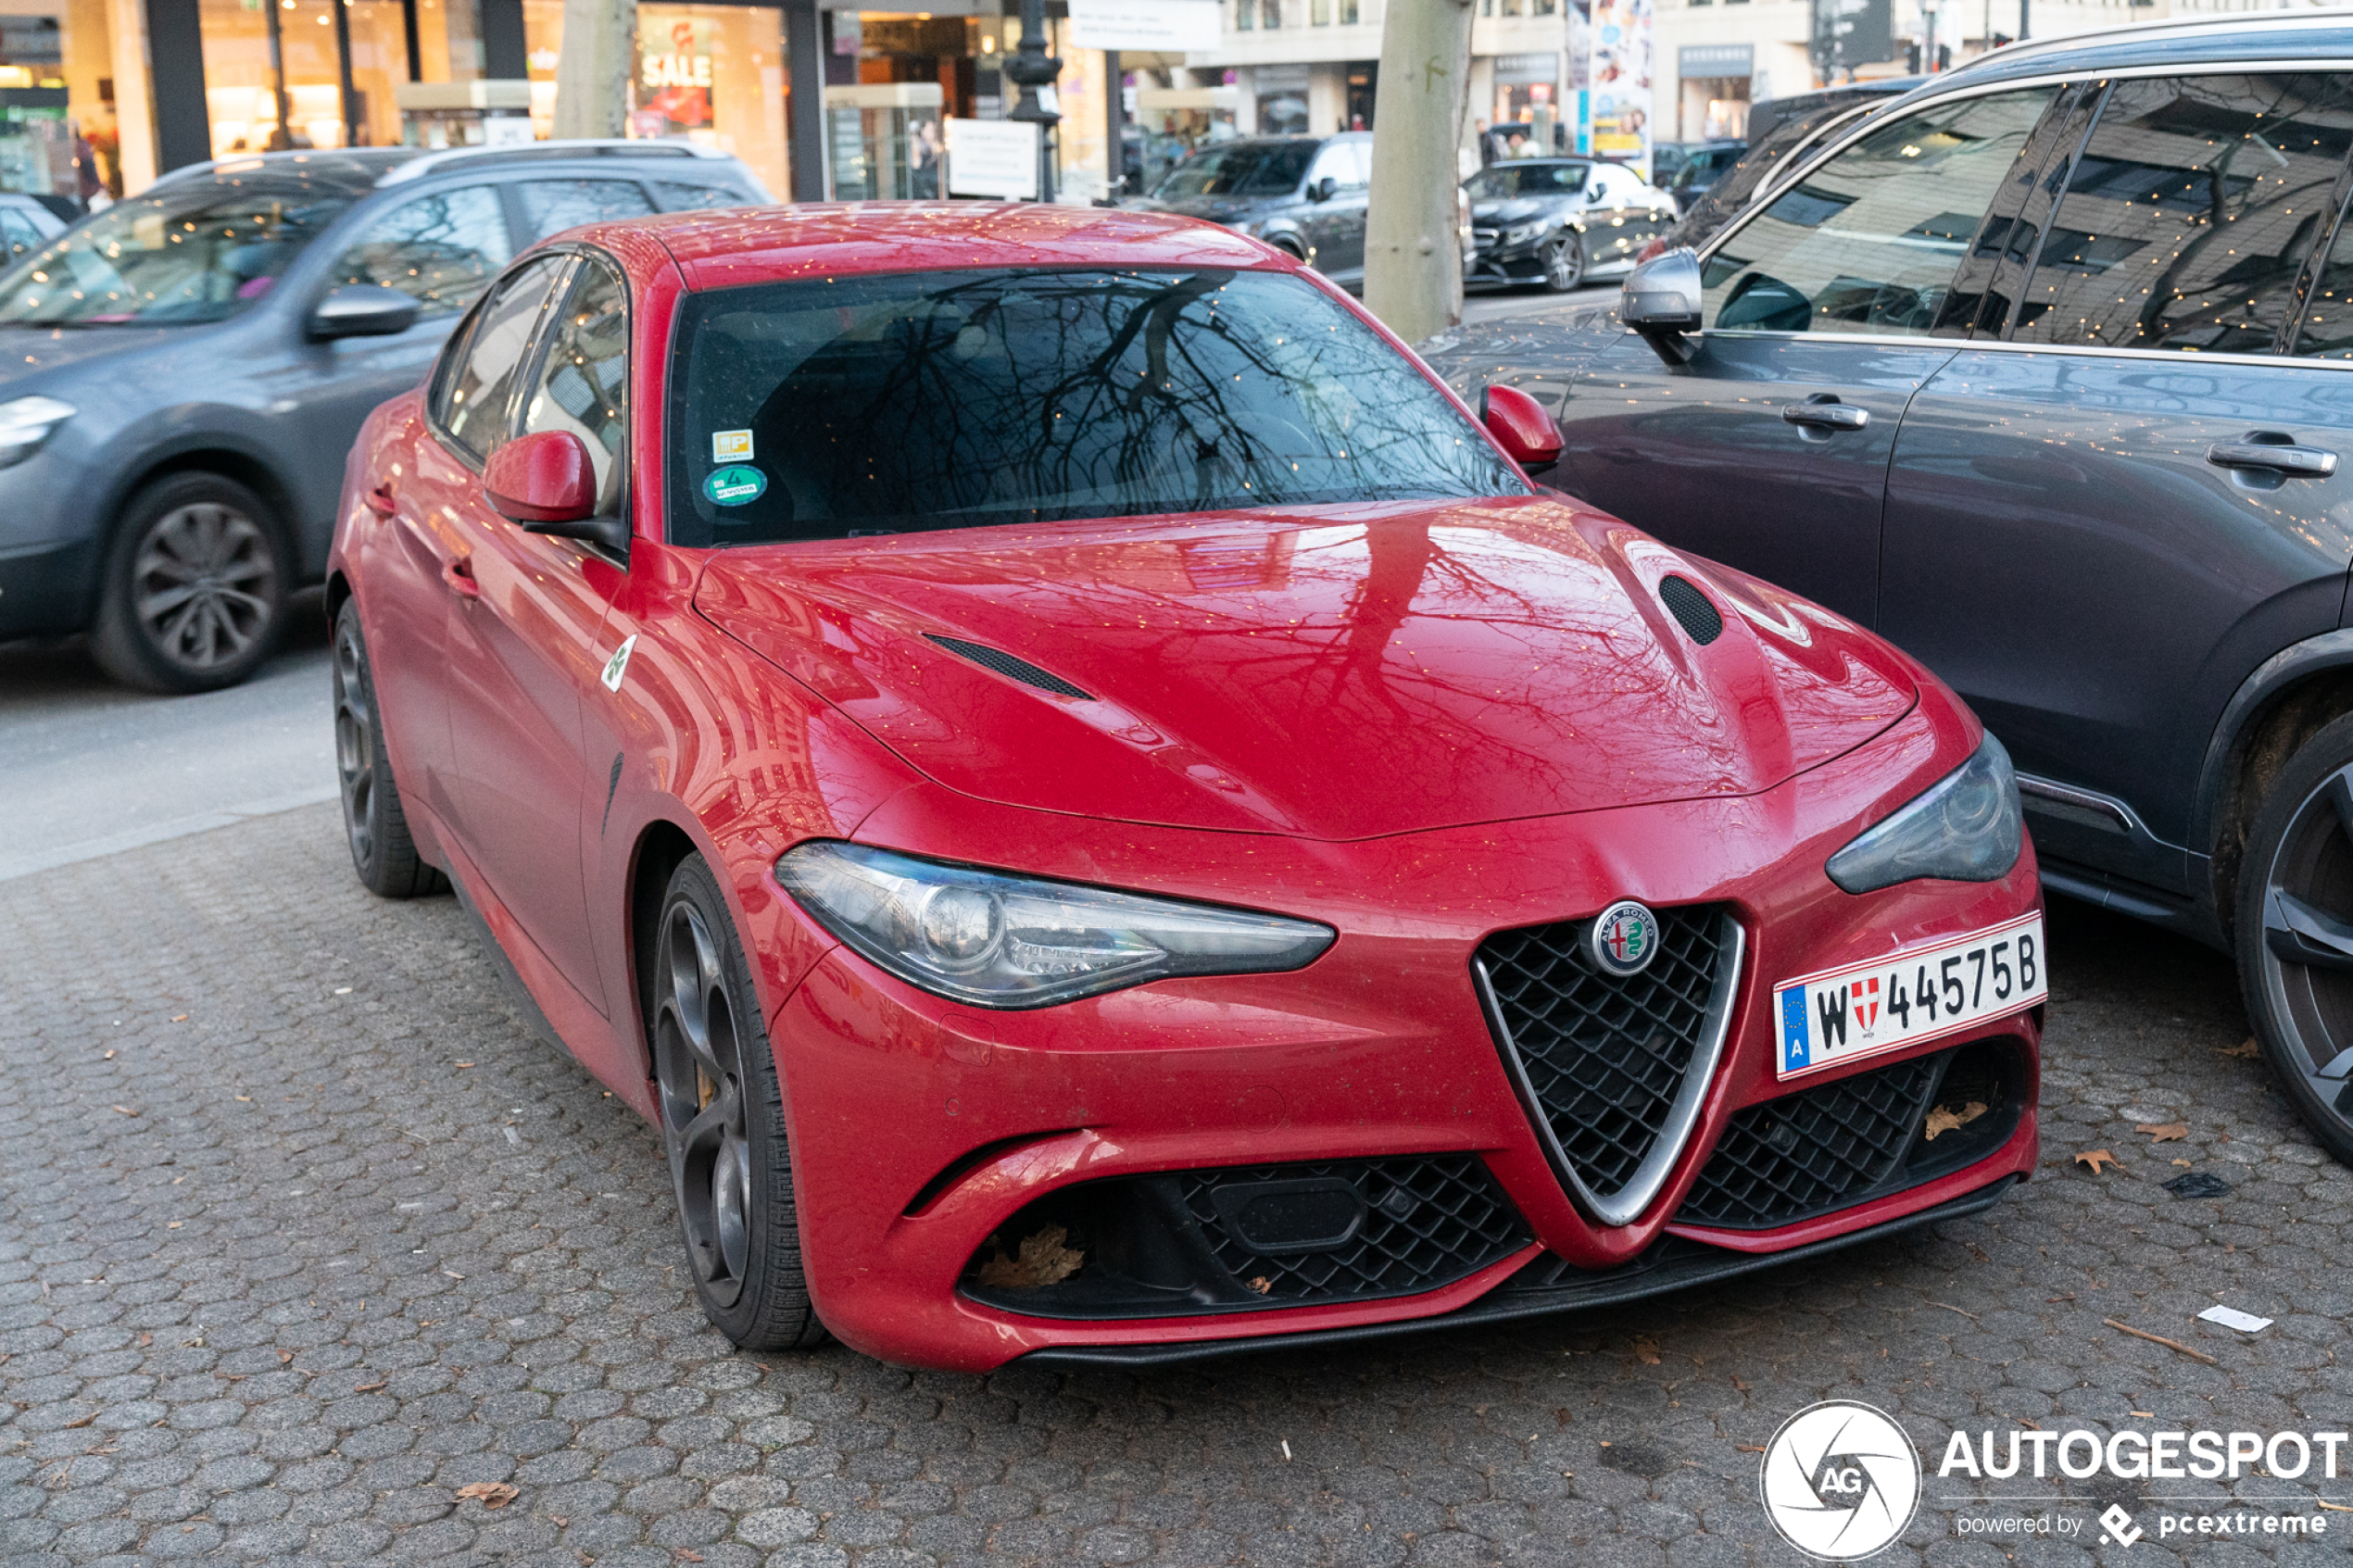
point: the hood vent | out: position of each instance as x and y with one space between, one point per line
1013 668
1701 619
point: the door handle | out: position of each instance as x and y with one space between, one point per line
379 500
1828 413
458 572
2271 449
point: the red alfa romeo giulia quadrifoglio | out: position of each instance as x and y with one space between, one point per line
1104 817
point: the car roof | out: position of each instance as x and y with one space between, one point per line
356 169
2254 37
726 247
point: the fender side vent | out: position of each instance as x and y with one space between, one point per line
1013 669
1700 618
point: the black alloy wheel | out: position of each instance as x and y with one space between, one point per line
2296 933
1564 258
382 851
723 1124
195 597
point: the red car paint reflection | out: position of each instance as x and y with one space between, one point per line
1444 731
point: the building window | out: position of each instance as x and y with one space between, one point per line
1270 14
1245 15
1319 13
1348 13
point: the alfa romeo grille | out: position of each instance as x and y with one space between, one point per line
1813 1151
1614 1068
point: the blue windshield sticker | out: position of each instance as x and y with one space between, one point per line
736 485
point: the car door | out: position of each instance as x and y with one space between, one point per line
1334 226
520 649
2114 504
1768 450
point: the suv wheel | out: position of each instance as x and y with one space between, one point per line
1563 263
722 1121
194 595
2296 933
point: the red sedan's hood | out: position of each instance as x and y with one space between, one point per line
1333 672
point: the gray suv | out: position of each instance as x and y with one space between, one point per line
1304 194
182 374
2044 371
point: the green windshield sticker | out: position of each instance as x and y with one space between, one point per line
735 485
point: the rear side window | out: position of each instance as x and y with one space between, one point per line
2327 332
444 249
679 196
478 387
2192 207
549 206
1869 242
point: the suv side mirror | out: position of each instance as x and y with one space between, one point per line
362 311
1322 190
1520 427
1660 301
546 482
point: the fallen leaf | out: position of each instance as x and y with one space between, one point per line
174 1224
1750 1447
465 1064
2098 1159
79 1421
1943 1119
686 1556
1262 1284
126 1110
109 1057
145 1340
179 1018
2246 1050
2183 1164
1043 1261
284 1355
2144 1415
1738 1384
453 1275
1646 1350
247 1099
2163 1131
494 1494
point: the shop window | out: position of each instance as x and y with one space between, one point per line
584 381
444 249
476 414
551 206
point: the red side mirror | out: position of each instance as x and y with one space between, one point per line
1521 427
543 477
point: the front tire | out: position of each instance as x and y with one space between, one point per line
1564 261
723 1121
382 851
194 595
2294 932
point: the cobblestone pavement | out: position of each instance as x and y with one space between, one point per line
301 1234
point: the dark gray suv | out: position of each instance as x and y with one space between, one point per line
2044 371
1305 194
181 374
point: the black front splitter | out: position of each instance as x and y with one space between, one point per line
1546 1286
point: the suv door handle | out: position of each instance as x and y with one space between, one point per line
2270 449
458 572
1825 412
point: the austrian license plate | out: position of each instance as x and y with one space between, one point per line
1920 993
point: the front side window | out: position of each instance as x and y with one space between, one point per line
443 249
479 388
1240 169
583 377
1869 242
2192 206
891 404
549 206
189 251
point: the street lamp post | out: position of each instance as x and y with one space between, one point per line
1032 68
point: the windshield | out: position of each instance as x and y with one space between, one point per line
1504 181
198 252
883 405
1241 169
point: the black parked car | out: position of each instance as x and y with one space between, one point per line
1695 167
1559 221
182 374
1305 194
2046 372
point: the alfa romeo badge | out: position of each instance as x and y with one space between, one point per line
1623 938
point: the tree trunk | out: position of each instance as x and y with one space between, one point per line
1412 253
594 69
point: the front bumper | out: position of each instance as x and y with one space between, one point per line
1493 263
927 1135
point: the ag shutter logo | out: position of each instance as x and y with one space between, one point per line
1624 938
1840 1480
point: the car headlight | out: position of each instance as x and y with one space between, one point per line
1520 234
25 423
1001 941
1965 827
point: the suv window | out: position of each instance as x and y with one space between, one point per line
551 206
1869 242
442 248
584 378
1504 181
679 196
477 389
1339 163
2190 211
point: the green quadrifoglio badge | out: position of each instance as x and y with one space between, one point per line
735 485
